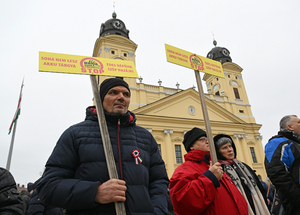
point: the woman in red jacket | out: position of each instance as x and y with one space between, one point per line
198 187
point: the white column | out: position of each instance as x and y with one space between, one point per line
241 147
170 152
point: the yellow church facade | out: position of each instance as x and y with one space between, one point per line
170 112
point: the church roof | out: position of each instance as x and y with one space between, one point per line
114 26
220 54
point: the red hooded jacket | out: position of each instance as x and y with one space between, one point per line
196 190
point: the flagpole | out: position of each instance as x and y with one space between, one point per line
13 134
11 146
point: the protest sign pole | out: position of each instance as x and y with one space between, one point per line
109 155
206 119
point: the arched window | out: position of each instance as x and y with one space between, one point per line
253 155
236 93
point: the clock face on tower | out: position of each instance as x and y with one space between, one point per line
117 24
216 87
210 55
225 52
234 83
102 28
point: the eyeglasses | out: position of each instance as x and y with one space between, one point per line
203 139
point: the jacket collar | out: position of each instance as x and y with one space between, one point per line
197 156
290 135
129 117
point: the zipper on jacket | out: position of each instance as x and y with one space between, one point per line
119 147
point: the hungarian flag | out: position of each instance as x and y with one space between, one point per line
18 111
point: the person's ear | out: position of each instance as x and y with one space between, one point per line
289 127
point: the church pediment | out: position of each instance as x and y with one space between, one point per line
186 105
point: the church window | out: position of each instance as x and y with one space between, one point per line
236 93
228 76
112 52
253 155
178 154
241 111
217 79
159 148
217 93
125 55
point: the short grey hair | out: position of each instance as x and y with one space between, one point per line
284 121
222 141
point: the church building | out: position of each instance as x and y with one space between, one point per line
170 112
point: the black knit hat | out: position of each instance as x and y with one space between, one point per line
191 136
218 145
109 83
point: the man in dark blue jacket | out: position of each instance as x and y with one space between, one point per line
10 200
282 163
76 175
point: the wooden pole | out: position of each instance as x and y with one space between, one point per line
211 144
268 189
109 155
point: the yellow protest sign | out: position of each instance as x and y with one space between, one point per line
63 63
192 61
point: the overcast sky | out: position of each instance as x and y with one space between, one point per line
262 37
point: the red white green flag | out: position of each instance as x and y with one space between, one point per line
18 111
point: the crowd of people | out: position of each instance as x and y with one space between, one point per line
76 179
25 202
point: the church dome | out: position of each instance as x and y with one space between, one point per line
219 54
114 26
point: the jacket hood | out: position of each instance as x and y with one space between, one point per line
219 155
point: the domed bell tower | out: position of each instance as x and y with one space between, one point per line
230 90
114 43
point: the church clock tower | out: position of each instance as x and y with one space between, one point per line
231 89
114 43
